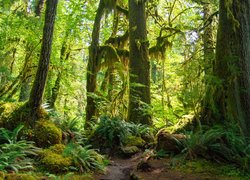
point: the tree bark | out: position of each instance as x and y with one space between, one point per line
231 97
39 7
92 67
208 63
37 91
139 86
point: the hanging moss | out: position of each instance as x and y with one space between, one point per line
46 134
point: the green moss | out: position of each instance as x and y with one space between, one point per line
46 134
134 141
72 176
201 166
53 162
57 148
130 150
2 175
6 111
19 177
81 177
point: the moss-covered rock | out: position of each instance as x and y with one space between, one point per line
134 141
46 133
130 150
169 142
53 162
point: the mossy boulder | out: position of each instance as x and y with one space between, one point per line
46 133
54 162
129 150
134 141
169 142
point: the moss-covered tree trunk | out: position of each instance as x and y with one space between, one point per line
231 97
26 84
139 66
92 67
37 91
208 63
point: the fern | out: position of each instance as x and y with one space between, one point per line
83 157
14 153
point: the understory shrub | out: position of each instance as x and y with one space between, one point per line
14 153
72 157
72 130
83 158
218 143
114 133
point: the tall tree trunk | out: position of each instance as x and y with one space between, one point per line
37 91
232 64
39 7
92 67
64 56
139 90
209 58
26 84
208 39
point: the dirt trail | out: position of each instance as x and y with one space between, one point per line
122 169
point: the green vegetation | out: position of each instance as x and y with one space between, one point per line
86 80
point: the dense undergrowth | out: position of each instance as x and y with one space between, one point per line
60 148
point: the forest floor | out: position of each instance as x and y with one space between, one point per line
154 169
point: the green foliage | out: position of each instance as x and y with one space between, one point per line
84 158
221 143
161 153
15 153
114 132
72 130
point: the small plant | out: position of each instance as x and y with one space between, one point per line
197 144
113 130
161 154
84 158
218 143
14 153
72 130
